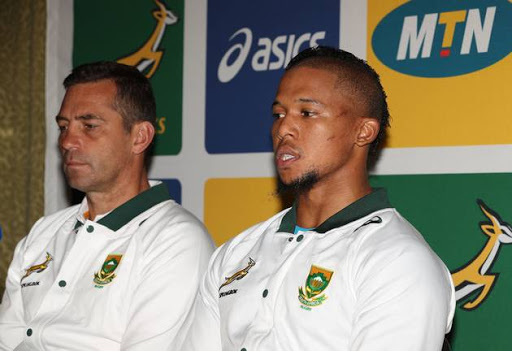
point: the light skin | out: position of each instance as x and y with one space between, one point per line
318 128
100 157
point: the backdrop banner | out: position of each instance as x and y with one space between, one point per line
215 66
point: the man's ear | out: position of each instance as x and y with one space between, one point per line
368 131
143 133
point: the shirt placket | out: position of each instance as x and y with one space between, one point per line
89 238
287 253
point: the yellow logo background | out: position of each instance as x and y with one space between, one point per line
233 205
471 109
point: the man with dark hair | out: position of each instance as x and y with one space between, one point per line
119 271
134 97
357 79
341 269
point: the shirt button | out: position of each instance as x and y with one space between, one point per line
29 332
244 349
265 293
300 237
90 228
62 283
290 239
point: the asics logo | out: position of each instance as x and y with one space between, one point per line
270 53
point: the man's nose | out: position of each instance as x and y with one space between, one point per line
69 139
285 127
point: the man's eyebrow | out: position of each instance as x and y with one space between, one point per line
86 117
89 117
311 101
302 100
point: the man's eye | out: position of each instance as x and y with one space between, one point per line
90 126
62 128
307 113
277 115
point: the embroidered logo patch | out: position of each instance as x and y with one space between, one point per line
316 282
38 268
240 274
106 274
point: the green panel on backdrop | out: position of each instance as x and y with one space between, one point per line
116 29
444 209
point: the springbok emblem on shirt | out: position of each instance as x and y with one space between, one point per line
475 274
149 54
38 268
240 274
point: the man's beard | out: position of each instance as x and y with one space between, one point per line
300 185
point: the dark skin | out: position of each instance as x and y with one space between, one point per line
320 129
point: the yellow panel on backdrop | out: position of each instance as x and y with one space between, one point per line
446 70
234 204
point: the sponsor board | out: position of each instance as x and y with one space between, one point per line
248 47
445 67
465 219
149 36
232 205
444 38
174 188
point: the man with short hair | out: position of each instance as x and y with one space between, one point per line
341 269
119 271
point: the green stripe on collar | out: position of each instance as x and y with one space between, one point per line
376 200
135 206
78 224
288 221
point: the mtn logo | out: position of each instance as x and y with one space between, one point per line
444 38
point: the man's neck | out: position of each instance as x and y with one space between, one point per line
106 201
321 202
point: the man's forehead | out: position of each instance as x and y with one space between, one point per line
81 101
306 77
306 83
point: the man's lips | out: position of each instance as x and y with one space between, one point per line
69 164
285 156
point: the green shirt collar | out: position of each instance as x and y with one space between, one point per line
376 200
134 207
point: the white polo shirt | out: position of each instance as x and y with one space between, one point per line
363 280
125 282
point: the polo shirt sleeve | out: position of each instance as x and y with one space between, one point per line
404 296
170 272
12 324
204 332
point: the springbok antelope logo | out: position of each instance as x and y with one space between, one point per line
475 274
240 274
149 54
38 268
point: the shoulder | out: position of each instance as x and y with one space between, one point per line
169 212
238 246
46 227
394 246
170 222
57 217
235 250
392 262
386 229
